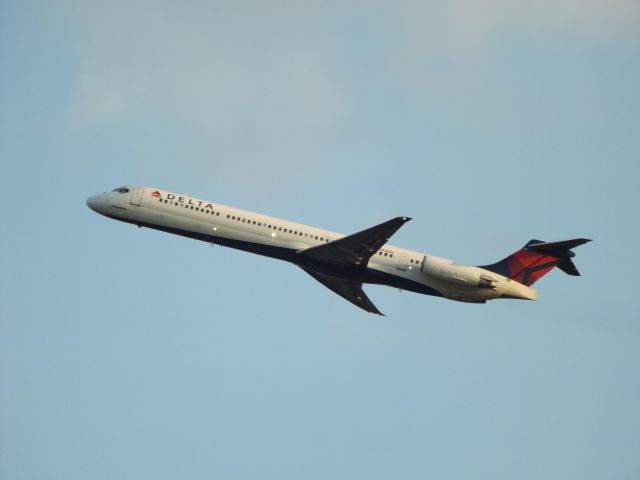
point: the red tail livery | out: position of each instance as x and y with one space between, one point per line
536 259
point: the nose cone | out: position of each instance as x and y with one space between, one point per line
97 203
92 202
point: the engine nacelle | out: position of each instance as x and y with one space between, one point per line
445 271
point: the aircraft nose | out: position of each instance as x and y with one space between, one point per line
95 203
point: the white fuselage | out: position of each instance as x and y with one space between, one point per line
282 239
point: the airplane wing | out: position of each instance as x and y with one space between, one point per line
358 248
347 289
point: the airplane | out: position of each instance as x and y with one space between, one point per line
342 263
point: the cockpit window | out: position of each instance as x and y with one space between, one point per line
121 190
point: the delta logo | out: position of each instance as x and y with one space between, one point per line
183 201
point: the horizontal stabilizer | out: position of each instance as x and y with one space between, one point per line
568 267
556 246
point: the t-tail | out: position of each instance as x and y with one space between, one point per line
536 259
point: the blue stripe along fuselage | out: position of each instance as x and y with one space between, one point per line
352 272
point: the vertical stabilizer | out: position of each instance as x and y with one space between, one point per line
536 259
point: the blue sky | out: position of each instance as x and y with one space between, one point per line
128 353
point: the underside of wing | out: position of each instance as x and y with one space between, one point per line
347 289
358 248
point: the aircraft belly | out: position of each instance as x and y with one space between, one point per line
370 275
